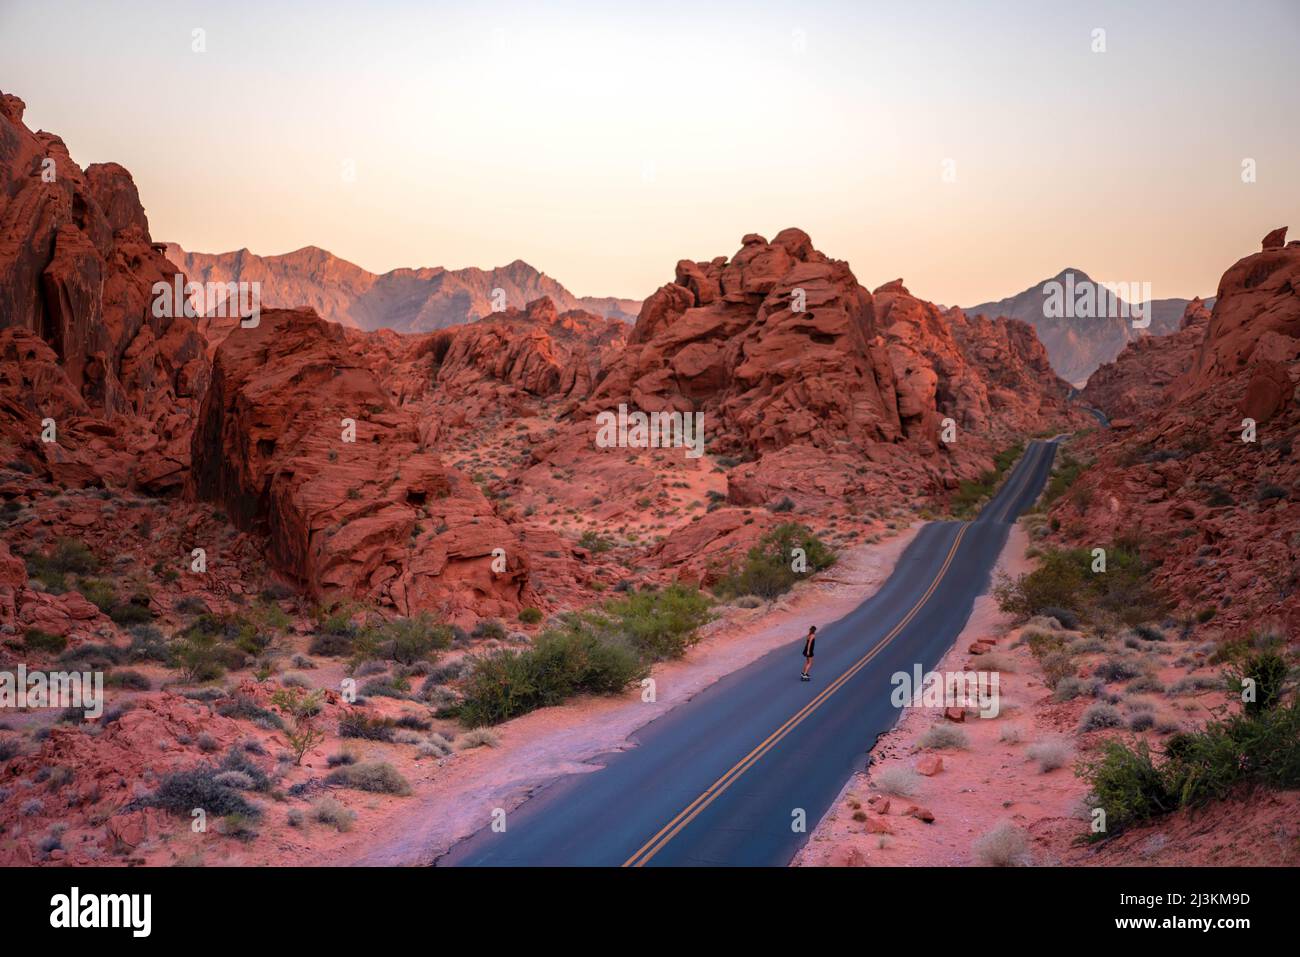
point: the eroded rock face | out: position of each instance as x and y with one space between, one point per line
1259 321
381 517
1219 512
780 346
1137 382
79 342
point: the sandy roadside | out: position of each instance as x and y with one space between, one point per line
538 747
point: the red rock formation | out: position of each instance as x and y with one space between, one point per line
1260 321
80 342
1137 381
1221 514
379 518
781 347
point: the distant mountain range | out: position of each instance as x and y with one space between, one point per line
406 300
1078 344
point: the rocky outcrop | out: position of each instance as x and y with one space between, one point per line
780 346
1259 322
1214 498
370 514
1137 382
79 340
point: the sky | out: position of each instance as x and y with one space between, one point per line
971 149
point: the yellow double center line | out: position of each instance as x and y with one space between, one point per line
674 827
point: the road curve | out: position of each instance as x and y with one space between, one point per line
720 779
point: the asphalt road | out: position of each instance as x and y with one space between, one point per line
721 779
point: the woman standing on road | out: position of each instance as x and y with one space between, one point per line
809 640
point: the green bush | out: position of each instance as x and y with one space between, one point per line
530 616
68 557
36 640
1064 580
1260 746
767 570
404 640
1066 474
564 661
660 624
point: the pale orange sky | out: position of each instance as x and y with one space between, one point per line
603 142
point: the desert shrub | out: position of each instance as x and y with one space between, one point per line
386 687
530 616
1260 747
1099 716
767 572
1145 683
100 592
1068 688
477 738
1126 784
243 708
377 776
329 811
404 640
95 656
1117 669
1149 633
1064 580
303 707
355 724
1264 674
1042 643
131 680
183 791
594 542
489 628
68 557
1142 721
1011 734
413 722
34 639
564 661
1058 668
942 736
147 644
1067 618
234 779
1004 846
660 624
898 781
1050 753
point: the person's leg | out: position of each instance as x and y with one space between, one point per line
807 664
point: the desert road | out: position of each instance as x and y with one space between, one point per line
721 779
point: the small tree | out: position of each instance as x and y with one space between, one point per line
302 706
